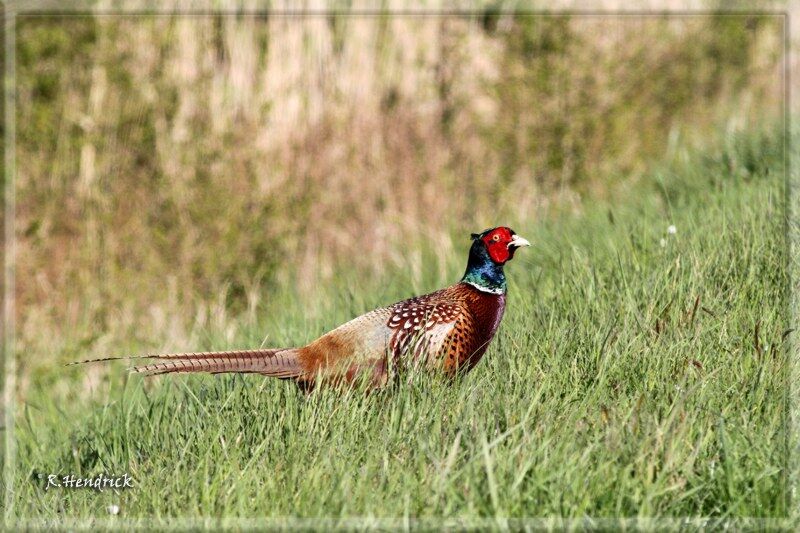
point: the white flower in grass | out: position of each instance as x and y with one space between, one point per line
113 509
672 230
663 242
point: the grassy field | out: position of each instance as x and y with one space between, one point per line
637 372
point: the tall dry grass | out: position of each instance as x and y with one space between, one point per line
176 169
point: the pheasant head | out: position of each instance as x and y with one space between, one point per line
490 250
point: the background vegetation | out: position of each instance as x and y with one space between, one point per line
211 182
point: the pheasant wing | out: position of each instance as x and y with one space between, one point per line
421 329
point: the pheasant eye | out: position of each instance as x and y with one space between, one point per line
496 237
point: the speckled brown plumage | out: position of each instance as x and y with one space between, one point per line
447 329
467 318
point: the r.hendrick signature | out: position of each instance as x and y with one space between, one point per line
97 483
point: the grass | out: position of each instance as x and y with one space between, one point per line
630 377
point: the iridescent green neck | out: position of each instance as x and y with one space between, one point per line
483 273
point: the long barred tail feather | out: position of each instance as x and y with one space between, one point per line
279 363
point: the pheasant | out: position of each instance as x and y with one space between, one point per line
449 329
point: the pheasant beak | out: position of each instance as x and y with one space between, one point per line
518 242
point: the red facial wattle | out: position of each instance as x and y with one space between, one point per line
497 244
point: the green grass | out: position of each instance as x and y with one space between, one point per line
627 379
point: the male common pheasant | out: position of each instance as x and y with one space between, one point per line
449 329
